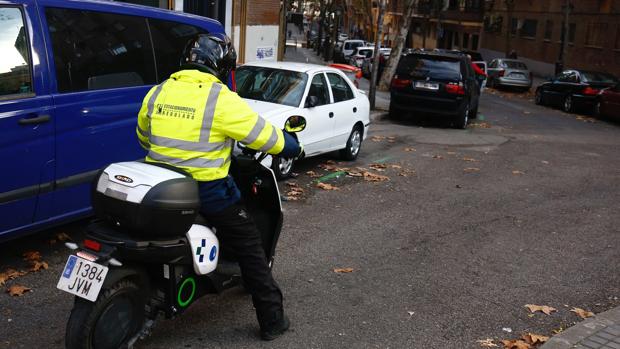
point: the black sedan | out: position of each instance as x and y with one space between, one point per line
574 90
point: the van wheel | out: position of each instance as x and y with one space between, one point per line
354 144
282 167
110 322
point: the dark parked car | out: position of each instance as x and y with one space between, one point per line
608 103
437 83
574 89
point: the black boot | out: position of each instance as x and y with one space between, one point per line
273 329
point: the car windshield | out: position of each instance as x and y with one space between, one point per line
271 85
421 67
598 77
515 65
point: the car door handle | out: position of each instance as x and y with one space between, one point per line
355 109
331 115
36 120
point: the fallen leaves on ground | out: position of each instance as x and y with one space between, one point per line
480 125
373 177
295 191
355 173
437 157
30 256
487 343
542 308
326 186
343 270
470 159
471 169
584 314
396 166
409 149
313 174
515 344
377 138
10 274
518 173
378 167
407 173
18 290
585 119
531 338
38 265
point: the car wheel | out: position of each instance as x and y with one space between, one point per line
463 119
394 112
474 113
539 99
568 104
597 109
354 144
282 167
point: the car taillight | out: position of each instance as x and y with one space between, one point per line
589 91
92 245
455 89
400 83
501 73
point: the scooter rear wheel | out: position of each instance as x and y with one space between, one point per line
110 322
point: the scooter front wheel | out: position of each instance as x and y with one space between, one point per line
110 322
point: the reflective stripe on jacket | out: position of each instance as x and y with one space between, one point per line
191 120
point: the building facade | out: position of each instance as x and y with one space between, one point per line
254 26
534 30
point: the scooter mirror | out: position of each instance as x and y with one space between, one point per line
295 123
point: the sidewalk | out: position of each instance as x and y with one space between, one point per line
599 332
304 55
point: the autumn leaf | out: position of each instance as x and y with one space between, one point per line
326 186
373 177
516 344
487 343
409 150
391 138
377 138
396 166
480 125
378 167
313 174
38 265
30 256
18 290
470 159
354 173
543 308
10 274
584 314
343 270
517 172
471 169
437 157
531 338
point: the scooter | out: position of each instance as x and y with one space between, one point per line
149 253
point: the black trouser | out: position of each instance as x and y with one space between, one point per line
239 236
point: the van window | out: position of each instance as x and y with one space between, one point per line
96 50
15 76
169 39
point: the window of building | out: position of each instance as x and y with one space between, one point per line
474 42
572 28
595 34
529 28
548 30
514 25
94 50
465 40
15 77
169 40
340 89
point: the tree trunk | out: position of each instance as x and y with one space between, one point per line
375 60
509 11
397 50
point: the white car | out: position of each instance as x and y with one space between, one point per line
360 55
337 113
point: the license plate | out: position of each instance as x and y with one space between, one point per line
82 278
426 85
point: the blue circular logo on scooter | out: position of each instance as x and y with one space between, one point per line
213 253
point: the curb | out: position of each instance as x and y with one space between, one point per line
581 332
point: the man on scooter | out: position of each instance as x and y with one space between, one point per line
190 121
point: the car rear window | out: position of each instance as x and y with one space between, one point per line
598 77
515 65
434 67
352 45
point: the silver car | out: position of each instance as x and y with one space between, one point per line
505 72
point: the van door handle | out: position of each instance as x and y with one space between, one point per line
36 120
331 115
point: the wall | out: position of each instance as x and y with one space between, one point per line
259 36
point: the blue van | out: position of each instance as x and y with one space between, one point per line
72 78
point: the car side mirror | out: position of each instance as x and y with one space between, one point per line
312 101
295 123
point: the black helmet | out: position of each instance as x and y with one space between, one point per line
210 53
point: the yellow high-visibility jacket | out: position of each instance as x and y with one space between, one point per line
191 120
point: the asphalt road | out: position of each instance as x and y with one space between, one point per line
441 258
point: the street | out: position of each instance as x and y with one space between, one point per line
520 208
